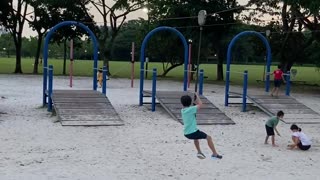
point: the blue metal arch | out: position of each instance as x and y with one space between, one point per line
45 54
269 56
142 57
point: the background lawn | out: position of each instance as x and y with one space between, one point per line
120 69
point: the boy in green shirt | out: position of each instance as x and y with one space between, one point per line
190 125
271 125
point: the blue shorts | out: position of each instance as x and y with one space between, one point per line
196 135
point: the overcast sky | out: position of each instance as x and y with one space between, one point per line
135 15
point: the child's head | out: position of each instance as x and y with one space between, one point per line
295 128
186 100
100 70
279 66
280 114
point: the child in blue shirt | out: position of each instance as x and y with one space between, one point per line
190 125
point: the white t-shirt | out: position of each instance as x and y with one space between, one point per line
303 138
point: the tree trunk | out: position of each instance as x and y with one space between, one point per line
220 70
36 60
64 56
18 45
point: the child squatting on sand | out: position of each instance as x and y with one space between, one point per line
300 140
190 125
271 126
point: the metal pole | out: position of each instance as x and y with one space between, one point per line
132 65
104 80
189 65
201 82
198 60
147 61
50 88
71 62
245 89
154 87
226 98
288 83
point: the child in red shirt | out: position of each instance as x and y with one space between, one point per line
278 78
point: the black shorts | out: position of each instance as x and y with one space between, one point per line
196 135
277 82
302 147
270 131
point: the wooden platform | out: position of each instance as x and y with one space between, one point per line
295 112
84 108
208 115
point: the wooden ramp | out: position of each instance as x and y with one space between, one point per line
295 112
84 108
208 115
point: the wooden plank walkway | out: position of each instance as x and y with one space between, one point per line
208 115
84 108
295 112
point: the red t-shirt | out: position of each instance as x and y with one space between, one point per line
278 74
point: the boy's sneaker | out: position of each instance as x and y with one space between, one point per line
201 156
216 156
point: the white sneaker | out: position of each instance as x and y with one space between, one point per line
201 156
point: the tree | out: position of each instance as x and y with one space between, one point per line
216 28
295 17
13 19
48 13
117 14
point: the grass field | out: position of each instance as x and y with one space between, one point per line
309 75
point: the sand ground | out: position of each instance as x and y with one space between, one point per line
150 145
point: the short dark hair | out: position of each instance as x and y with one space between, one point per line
295 127
186 100
280 113
279 66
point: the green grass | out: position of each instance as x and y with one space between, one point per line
123 70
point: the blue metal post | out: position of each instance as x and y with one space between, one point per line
154 89
50 88
104 80
226 98
288 83
201 77
245 89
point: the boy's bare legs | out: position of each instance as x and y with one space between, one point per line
273 89
277 91
197 144
273 141
211 145
266 141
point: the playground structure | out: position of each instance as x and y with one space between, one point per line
78 107
295 112
170 100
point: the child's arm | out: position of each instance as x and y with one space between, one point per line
198 101
275 128
295 143
284 80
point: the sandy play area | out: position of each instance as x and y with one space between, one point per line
150 146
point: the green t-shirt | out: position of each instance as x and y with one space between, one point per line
189 119
272 122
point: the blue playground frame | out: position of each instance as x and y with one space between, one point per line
269 56
45 54
142 57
